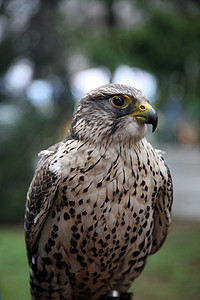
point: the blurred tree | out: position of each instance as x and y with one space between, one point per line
30 32
53 39
166 42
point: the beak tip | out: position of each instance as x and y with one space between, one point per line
154 123
153 128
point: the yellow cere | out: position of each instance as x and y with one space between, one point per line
143 107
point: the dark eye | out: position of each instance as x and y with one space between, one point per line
119 101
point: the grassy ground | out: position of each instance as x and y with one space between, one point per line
14 272
172 273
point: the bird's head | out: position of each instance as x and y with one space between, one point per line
112 113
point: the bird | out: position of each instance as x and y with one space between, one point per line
100 200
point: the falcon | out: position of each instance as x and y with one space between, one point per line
100 200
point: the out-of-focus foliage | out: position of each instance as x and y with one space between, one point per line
30 33
54 39
167 44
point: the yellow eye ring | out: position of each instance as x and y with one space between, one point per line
143 107
119 102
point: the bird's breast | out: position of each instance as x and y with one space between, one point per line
102 221
107 201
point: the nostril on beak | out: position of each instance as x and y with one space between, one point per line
143 107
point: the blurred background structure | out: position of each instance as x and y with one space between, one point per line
52 52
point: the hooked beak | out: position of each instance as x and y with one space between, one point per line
146 114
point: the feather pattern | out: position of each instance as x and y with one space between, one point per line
95 211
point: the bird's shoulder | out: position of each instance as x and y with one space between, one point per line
44 188
162 194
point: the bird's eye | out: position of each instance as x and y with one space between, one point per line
119 102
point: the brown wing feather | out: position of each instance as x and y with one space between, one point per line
162 213
40 197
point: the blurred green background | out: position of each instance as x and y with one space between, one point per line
51 53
